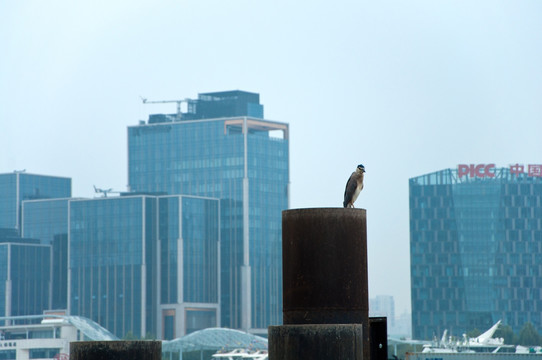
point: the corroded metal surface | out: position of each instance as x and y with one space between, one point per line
324 263
316 342
324 259
116 350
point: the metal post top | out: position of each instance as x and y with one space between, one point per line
327 216
328 211
324 266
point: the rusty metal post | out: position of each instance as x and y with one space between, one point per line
116 350
316 342
324 261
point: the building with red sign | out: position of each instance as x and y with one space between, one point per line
476 248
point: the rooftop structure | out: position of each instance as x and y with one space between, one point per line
212 105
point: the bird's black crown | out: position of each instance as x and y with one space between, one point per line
361 167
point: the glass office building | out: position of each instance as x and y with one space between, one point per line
47 220
145 264
112 247
18 186
25 275
223 148
476 249
189 238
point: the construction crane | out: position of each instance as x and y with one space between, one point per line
105 191
178 102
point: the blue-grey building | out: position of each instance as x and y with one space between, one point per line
19 185
223 148
47 220
25 275
145 264
476 249
189 272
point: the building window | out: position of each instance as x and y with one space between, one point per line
197 319
7 355
169 324
43 353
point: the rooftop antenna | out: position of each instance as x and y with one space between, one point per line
178 102
105 191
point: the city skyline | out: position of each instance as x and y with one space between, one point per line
404 88
194 244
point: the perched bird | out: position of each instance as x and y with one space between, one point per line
353 187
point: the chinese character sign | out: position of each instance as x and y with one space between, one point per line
483 170
517 169
533 170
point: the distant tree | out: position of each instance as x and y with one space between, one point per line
130 336
506 332
473 333
149 336
529 336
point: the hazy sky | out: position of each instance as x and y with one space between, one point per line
404 87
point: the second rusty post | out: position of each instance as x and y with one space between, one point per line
324 261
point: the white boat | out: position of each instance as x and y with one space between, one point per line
485 343
483 346
238 354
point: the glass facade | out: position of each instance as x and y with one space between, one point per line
475 250
189 232
3 278
18 186
25 278
112 247
238 161
8 201
200 250
47 220
128 254
193 224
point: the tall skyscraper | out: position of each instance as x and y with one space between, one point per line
18 186
223 148
476 248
